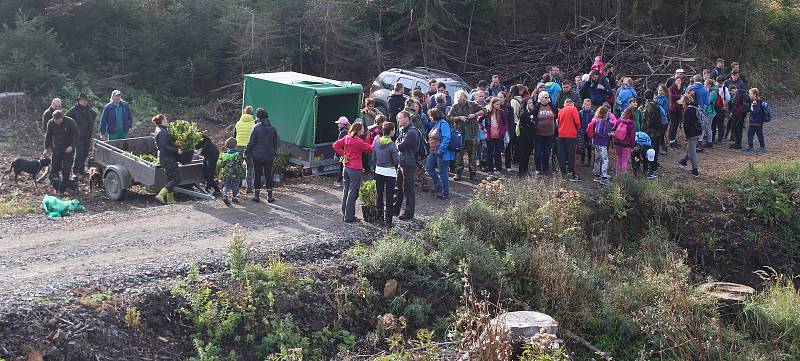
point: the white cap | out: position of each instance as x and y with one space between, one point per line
680 71
651 155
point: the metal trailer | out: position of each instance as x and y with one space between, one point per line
121 169
316 160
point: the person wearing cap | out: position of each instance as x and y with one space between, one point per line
343 125
116 119
85 118
262 148
60 139
55 104
679 73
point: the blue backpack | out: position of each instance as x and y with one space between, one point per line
767 112
643 139
456 140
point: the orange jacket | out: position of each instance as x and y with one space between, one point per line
569 121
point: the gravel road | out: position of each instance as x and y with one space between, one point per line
129 247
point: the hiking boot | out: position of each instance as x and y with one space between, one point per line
235 199
694 173
161 197
762 149
269 196
736 146
749 150
440 195
257 197
683 162
226 201
709 145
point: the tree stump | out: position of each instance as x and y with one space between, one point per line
726 291
526 324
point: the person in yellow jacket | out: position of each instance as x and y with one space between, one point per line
241 132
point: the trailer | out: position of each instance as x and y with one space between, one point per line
121 168
303 109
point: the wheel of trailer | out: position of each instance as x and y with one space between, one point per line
112 182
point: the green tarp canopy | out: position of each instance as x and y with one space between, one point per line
303 108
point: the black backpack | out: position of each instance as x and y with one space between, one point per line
422 149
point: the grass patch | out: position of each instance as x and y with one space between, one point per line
16 206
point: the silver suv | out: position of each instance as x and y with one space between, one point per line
412 78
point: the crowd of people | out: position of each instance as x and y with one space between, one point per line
247 160
561 122
426 136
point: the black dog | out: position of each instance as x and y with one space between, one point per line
32 167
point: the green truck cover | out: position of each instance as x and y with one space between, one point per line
303 108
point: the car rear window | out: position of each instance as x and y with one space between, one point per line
388 81
452 88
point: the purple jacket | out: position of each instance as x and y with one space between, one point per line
601 131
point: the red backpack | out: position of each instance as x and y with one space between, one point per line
590 128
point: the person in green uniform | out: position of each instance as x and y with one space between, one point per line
464 117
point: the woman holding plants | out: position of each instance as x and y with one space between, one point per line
167 158
242 132
262 149
351 149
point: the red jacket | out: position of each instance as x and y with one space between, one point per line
353 147
569 121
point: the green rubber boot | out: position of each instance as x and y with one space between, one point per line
170 197
162 196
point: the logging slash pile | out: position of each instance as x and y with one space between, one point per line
647 58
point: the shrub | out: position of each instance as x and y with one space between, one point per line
771 192
368 193
395 257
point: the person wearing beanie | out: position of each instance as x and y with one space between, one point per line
241 132
84 118
116 119
232 171
168 159
262 148
343 124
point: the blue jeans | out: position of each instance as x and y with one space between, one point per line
541 153
756 131
437 168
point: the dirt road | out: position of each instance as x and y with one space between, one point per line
126 247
